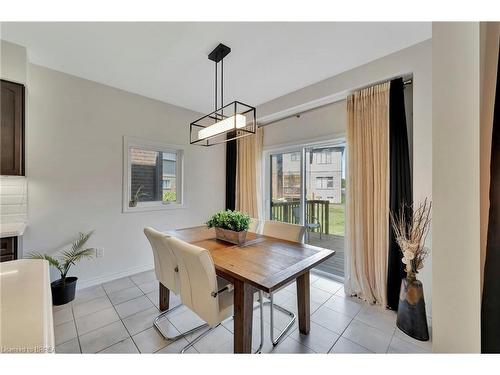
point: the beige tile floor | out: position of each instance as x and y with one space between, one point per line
117 317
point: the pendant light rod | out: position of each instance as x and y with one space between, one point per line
217 55
222 83
227 122
215 109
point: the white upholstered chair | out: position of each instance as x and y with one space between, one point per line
211 298
166 271
288 232
284 231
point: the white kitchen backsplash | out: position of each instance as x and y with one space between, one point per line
13 199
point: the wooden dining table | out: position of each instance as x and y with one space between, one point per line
261 263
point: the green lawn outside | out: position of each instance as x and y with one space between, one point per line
337 219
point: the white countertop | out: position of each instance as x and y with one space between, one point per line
26 307
12 229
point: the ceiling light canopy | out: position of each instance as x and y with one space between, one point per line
228 122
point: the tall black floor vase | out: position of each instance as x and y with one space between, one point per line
400 189
412 318
490 310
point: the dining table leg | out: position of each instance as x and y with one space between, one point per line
164 294
243 316
303 303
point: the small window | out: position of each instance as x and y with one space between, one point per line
324 157
153 175
324 182
329 182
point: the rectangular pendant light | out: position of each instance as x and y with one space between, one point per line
232 123
225 123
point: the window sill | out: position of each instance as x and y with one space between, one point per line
154 207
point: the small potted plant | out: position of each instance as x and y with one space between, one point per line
63 290
230 226
138 195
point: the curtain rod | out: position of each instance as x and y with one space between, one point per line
406 82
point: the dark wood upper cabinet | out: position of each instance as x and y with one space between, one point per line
12 130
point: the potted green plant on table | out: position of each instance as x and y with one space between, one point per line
63 289
411 227
230 226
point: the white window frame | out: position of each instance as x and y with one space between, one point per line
146 144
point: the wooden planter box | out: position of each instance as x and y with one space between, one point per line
230 236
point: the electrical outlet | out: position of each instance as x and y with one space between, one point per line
99 252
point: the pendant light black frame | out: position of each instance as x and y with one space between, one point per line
224 112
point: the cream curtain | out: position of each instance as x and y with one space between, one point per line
249 174
367 200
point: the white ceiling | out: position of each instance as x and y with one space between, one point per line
168 61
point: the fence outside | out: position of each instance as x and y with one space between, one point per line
316 211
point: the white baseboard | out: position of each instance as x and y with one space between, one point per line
112 276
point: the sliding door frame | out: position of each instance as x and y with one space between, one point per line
267 179
300 147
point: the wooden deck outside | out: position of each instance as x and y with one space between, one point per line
317 211
335 264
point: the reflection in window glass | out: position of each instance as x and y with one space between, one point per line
153 175
285 187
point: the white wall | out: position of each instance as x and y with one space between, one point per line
326 122
331 121
74 168
456 228
13 62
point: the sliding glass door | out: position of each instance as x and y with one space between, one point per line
307 186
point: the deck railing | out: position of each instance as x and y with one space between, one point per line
317 211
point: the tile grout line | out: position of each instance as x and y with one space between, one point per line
345 329
340 335
390 342
69 321
113 304
93 312
320 306
347 326
333 295
163 347
365 303
121 320
376 328
76 329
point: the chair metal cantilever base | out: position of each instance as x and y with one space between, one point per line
289 325
210 329
179 336
259 349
